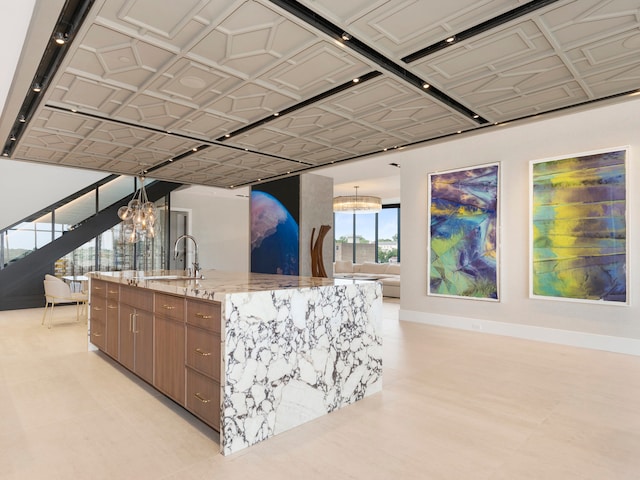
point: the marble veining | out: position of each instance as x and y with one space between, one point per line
215 284
294 355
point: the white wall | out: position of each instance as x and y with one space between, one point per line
15 25
27 187
608 327
220 224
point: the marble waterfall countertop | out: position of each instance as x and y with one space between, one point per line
215 284
292 348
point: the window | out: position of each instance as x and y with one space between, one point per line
368 237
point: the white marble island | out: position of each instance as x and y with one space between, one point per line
291 348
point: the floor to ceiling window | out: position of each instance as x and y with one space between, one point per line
368 237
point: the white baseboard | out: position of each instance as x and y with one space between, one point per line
629 346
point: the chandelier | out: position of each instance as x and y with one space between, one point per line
357 203
139 216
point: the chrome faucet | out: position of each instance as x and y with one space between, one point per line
196 265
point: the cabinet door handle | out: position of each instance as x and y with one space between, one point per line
131 322
97 288
135 323
112 307
113 291
169 307
199 351
202 315
97 334
201 398
97 309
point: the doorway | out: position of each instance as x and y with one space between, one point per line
179 226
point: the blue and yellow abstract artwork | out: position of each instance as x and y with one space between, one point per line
578 210
463 211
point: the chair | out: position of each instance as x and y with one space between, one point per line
58 291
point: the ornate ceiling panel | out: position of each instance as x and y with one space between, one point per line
230 93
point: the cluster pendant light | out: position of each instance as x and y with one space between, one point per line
139 216
357 204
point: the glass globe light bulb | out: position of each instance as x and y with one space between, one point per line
125 213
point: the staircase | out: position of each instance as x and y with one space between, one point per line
21 280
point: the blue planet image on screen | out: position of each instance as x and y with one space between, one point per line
274 236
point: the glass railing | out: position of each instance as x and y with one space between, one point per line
111 251
43 227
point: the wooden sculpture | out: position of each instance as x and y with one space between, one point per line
317 264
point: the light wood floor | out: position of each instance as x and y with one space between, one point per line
455 405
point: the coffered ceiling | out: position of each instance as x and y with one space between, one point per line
230 93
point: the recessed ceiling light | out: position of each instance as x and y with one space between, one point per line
425 85
13 138
195 149
22 119
450 39
345 36
276 114
227 135
37 87
476 116
356 80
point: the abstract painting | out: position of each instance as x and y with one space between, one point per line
578 227
463 218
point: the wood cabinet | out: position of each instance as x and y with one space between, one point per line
170 341
98 314
169 346
112 319
203 360
136 331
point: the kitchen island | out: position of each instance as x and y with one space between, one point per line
252 355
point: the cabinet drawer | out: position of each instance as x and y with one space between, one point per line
137 297
113 292
203 398
169 306
98 287
98 308
97 329
203 351
204 314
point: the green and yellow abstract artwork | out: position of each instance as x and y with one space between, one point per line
579 234
463 211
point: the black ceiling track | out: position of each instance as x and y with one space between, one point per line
71 17
325 26
298 106
480 28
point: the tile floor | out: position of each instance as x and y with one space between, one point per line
455 405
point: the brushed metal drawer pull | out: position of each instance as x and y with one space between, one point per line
112 307
97 309
199 351
113 291
168 307
97 334
201 398
97 288
203 316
